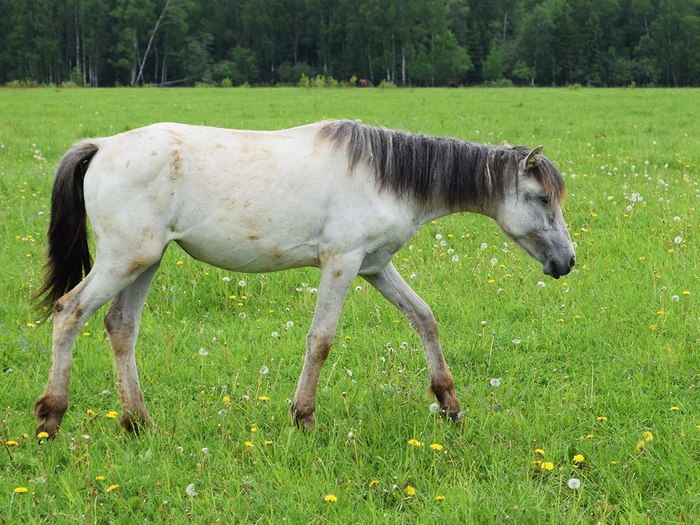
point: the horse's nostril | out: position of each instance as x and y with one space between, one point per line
573 262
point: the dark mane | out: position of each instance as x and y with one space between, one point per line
460 174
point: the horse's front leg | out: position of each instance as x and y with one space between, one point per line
337 273
392 286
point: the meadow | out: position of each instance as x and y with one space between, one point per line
579 396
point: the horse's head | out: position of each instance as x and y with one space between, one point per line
530 213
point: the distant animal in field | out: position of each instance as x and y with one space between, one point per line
341 196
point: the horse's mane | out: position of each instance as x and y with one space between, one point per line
460 174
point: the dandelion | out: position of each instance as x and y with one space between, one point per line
686 292
437 447
263 398
20 490
574 484
539 452
330 498
640 446
99 478
373 483
602 418
267 442
112 414
415 443
226 400
541 284
439 498
483 246
42 435
275 335
11 443
254 428
410 491
264 370
90 412
434 408
191 490
112 488
180 263
248 443
678 240
241 283
674 409
578 459
547 465
495 382
648 436
203 352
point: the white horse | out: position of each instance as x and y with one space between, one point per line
341 196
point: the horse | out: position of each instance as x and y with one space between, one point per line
338 195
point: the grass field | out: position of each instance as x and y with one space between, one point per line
598 373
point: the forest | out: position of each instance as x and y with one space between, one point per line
355 42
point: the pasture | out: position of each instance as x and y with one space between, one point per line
593 377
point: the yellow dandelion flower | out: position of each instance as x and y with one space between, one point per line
99 478
614 462
90 412
439 498
12 443
31 325
547 465
254 428
410 491
180 263
491 281
652 327
675 408
686 292
602 418
226 400
42 435
20 490
112 414
415 443
578 459
264 398
267 442
640 446
112 488
248 443
539 452
330 498
437 447
648 436
373 483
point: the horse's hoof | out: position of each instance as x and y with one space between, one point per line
46 429
305 422
133 424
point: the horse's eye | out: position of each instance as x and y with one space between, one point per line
544 199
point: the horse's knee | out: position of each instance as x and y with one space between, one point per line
318 344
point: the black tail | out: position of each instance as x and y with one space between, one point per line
68 256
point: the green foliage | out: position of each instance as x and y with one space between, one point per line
408 42
593 364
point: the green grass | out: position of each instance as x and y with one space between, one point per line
615 339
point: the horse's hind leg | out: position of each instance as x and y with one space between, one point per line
392 286
122 324
70 313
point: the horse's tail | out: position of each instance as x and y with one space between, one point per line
68 256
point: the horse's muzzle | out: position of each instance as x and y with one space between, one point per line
556 269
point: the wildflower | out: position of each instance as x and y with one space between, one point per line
415 443
578 459
439 498
203 352
267 442
264 398
495 382
574 483
90 412
330 498
434 408
602 418
241 283
547 465
248 443
648 436
686 292
112 414
254 428
226 400
640 446
190 490
539 452
437 447
20 490
674 408
180 263
99 478
11 443
42 435
373 483
410 491
112 488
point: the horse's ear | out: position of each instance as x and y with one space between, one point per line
533 158
506 144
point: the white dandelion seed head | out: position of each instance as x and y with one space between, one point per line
675 298
203 352
495 382
516 341
205 451
541 284
275 335
105 392
678 240
290 324
443 243
494 261
455 258
348 372
241 283
190 490
226 279
483 246
574 483
438 236
677 218
434 408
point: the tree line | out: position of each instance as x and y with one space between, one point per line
404 42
